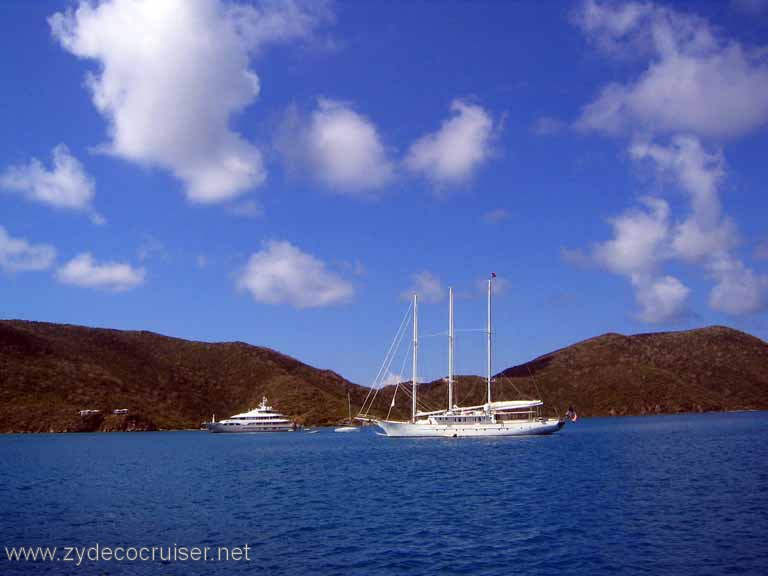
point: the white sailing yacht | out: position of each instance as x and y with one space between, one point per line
507 418
349 427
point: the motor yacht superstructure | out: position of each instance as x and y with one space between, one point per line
261 419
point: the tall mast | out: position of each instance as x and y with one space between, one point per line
415 354
349 406
490 280
450 348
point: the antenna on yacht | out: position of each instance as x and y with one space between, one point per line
415 353
490 289
450 349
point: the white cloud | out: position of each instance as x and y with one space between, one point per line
391 379
427 286
645 239
637 250
338 146
696 84
282 273
707 236
699 173
499 286
662 299
739 290
639 240
66 185
18 255
497 215
695 81
83 271
173 73
451 155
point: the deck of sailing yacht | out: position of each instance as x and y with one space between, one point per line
506 418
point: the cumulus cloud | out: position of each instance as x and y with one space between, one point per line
427 286
706 235
739 290
18 255
84 271
639 239
451 155
646 238
282 273
695 81
695 84
661 299
66 185
637 250
339 147
699 173
171 76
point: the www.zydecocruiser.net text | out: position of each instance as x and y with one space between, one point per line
78 555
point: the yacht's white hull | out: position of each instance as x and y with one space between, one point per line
223 428
429 429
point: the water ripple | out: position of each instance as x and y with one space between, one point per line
657 495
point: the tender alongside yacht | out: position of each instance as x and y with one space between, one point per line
261 419
508 418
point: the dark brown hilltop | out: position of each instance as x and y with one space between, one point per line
48 372
702 370
707 369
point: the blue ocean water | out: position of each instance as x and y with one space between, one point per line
655 495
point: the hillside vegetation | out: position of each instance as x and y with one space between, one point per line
48 372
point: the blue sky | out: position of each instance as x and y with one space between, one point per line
282 173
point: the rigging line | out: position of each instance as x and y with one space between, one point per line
507 379
419 404
398 336
389 361
433 335
394 346
397 384
538 392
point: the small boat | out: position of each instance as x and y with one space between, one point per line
260 419
349 427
